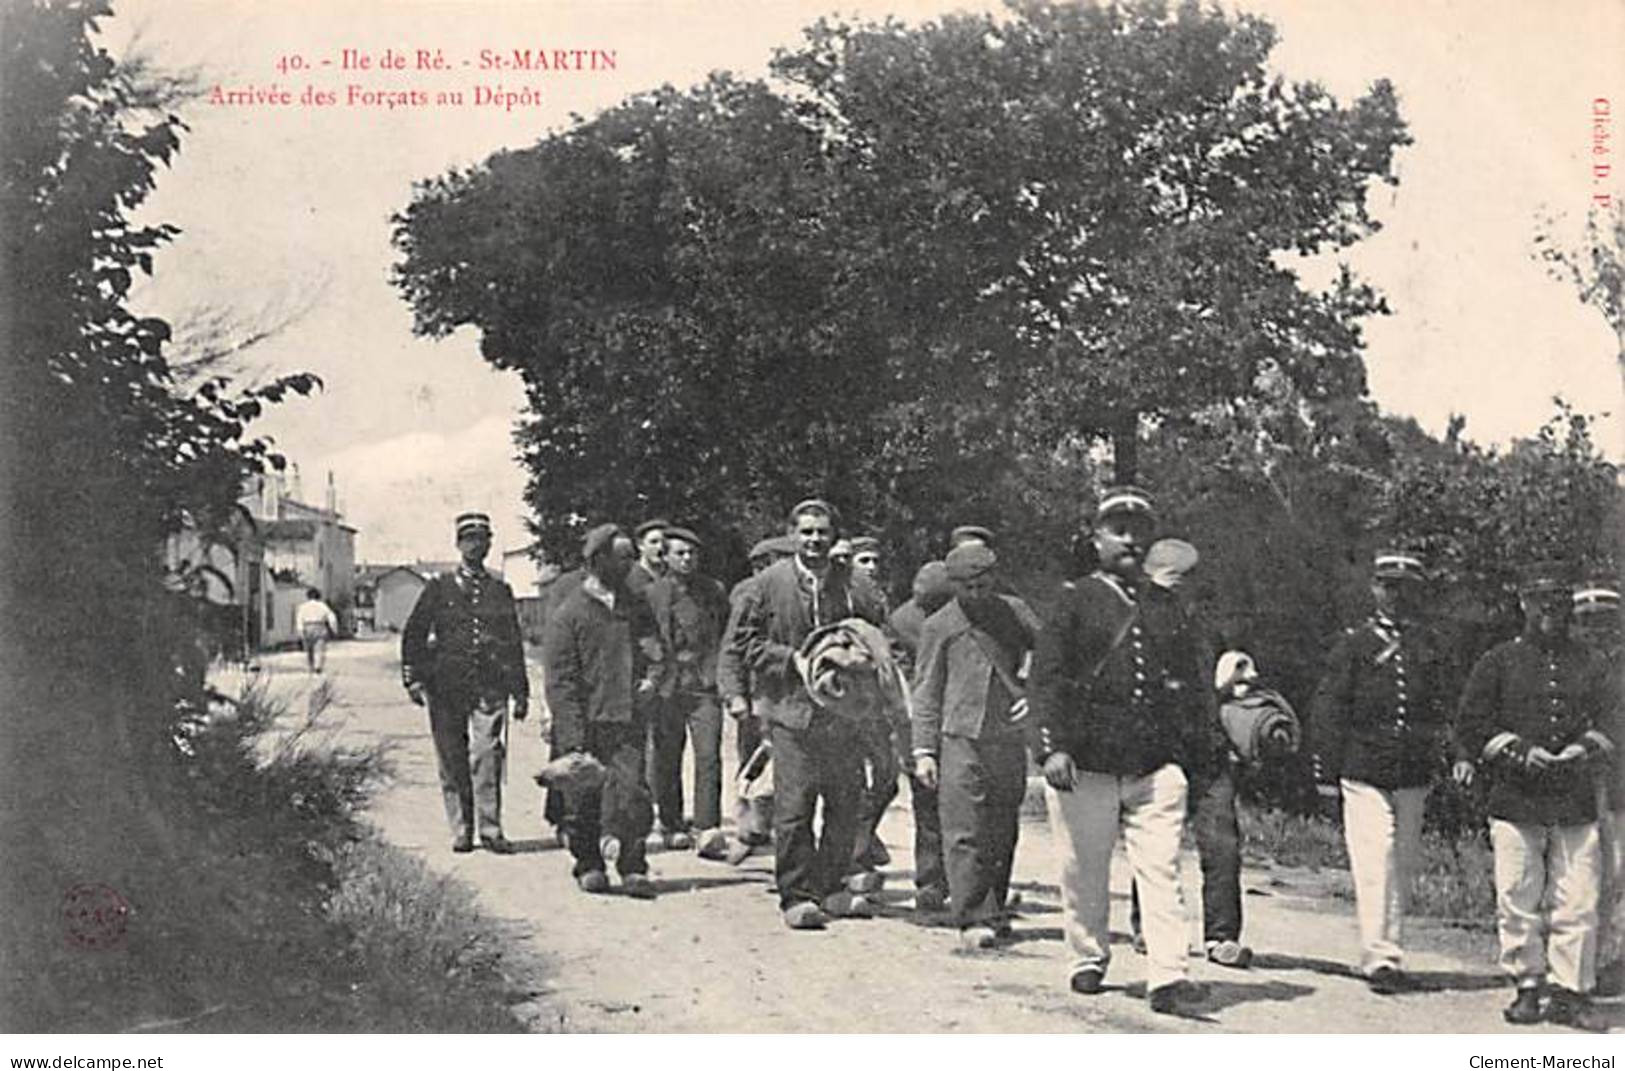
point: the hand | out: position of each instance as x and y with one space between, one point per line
521 709
925 770
1018 709
417 694
738 707
1539 759
1462 773
645 686
1059 772
1572 753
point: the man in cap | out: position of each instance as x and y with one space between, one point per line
1597 625
1381 731
754 816
690 612
931 592
970 533
599 690
1534 716
650 537
880 788
969 700
463 657
817 755
1116 702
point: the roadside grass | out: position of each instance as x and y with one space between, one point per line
1454 880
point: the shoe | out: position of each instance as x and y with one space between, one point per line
609 848
1571 1009
877 856
464 843
1012 901
1525 1007
973 938
712 844
1087 980
1139 943
866 881
805 916
1386 981
930 898
1230 954
738 852
847 905
1004 929
654 842
638 886
593 881
679 840
1175 997
497 844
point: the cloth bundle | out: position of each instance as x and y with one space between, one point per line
622 805
572 773
1261 725
849 670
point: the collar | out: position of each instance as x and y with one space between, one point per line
596 589
1115 583
807 576
466 576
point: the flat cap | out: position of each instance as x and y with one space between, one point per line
1124 498
864 543
969 533
652 523
599 538
1392 563
1596 596
969 561
473 522
813 505
685 534
763 548
1169 560
842 548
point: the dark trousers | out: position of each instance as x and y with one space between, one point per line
880 788
821 762
620 808
983 782
687 716
1218 842
467 730
929 870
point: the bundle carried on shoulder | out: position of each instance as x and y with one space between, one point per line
1261 725
849 670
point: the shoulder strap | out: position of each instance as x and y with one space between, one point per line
990 648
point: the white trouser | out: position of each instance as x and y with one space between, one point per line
1562 866
1383 829
1150 811
1611 904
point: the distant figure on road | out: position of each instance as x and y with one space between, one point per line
462 655
317 624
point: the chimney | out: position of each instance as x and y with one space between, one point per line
332 495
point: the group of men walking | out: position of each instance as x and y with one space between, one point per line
1115 699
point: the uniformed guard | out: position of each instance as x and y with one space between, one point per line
1381 734
1597 625
1534 715
462 655
1117 697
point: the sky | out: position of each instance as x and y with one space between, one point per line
284 209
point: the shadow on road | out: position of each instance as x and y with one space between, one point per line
1420 981
681 885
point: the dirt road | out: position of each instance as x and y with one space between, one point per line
710 955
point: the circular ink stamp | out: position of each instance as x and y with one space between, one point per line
94 916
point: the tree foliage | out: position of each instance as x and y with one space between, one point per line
921 271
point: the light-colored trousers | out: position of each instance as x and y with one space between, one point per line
1150 812
468 744
1383 830
1611 904
1546 883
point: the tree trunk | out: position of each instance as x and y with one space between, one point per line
1126 448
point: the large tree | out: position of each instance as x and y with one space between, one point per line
923 270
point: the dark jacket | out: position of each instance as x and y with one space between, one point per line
733 678
1526 693
592 661
774 617
1378 715
665 596
463 636
957 691
1121 706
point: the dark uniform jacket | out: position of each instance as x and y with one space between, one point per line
1378 715
1531 692
777 612
1119 682
592 659
957 690
693 670
463 637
